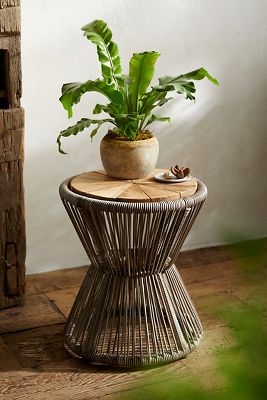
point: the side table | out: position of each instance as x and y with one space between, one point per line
132 308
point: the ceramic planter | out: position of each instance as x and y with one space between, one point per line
129 159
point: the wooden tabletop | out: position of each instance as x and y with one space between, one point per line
98 185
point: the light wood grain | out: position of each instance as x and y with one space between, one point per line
97 184
158 194
134 192
111 192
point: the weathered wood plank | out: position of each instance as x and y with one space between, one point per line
12 119
85 382
89 382
12 234
207 307
37 311
12 217
63 299
12 149
205 256
8 361
212 272
55 280
37 346
10 20
9 3
12 45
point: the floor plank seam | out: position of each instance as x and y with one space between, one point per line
54 306
31 328
248 305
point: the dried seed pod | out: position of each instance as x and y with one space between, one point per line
180 172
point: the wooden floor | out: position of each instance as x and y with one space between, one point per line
34 364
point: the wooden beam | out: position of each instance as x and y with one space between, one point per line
9 20
12 45
9 3
12 218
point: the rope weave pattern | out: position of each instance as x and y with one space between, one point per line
132 308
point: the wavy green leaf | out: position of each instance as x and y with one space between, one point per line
79 127
183 83
181 86
157 117
72 92
199 74
94 131
141 71
108 54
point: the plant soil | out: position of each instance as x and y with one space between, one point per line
142 135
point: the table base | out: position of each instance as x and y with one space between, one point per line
132 321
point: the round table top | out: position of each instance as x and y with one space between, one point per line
97 184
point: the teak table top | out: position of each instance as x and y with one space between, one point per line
98 185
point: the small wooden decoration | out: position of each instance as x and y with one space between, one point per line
12 220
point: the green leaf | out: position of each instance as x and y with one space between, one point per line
79 127
72 92
164 101
182 84
141 71
94 132
108 54
128 124
156 117
99 108
199 74
151 100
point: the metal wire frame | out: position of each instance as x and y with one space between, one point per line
132 308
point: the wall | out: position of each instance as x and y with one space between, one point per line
222 136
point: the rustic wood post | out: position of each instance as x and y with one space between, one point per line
12 219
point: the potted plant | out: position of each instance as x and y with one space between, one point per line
129 150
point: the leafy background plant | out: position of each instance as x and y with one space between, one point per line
130 104
241 370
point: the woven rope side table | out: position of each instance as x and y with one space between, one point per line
132 308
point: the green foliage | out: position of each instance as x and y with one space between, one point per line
242 368
141 71
79 127
130 104
108 53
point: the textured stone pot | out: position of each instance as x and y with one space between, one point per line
129 159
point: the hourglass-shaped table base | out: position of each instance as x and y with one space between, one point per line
132 308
